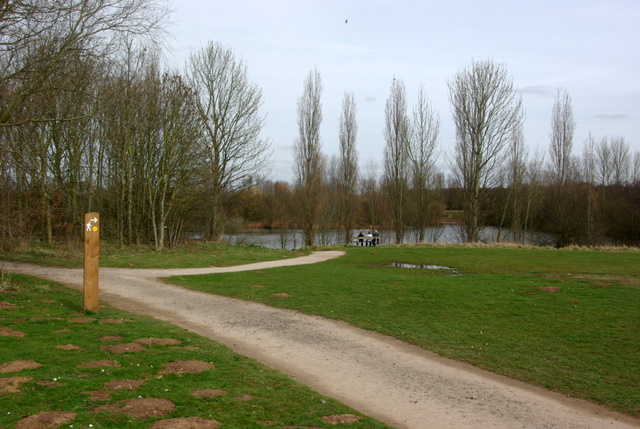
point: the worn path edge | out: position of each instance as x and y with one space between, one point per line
394 382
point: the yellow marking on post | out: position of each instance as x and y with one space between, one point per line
91 265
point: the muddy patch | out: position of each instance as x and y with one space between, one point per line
280 295
341 419
244 398
109 387
12 384
158 341
68 347
111 338
6 332
208 393
18 365
46 420
80 320
140 408
185 423
186 366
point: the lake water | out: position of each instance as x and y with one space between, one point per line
294 239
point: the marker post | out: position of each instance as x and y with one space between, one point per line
91 253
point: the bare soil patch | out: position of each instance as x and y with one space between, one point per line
118 349
105 394
18 365
98 395
550 289
208 393
341 419
280 295
158 341
12 384
82 320
6 332
111 338
68 347
186 366
244 398
185 423
46 420
140 408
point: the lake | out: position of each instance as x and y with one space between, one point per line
294 239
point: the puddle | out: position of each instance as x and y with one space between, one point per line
424 267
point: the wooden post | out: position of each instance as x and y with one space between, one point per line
91 253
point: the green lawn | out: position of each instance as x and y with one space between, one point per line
42 322
568 319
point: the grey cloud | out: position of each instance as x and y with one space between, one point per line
612 116
538 90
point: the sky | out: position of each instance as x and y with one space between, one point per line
589 48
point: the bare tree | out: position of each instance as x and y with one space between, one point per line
38 39
348 164
620 160
636 169
486 108
174 155
562 128
604 164
423 141
589 173
517 169
396 155
534 190
369 191
307 155
230 107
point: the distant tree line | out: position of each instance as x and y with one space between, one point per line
90 120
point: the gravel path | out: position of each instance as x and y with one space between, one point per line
387 379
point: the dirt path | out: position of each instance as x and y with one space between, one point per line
384 378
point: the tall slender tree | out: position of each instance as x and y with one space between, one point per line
562 129
423 141
348 164
396 155
307 155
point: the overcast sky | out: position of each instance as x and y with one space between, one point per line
587 47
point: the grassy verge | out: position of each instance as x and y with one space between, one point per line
567 320
81 368
192 255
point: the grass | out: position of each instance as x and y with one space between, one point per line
567 320
47 314
191 255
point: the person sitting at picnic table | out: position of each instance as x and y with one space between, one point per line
369 238
361 239
376 237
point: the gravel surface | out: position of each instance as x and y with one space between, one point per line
397 383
